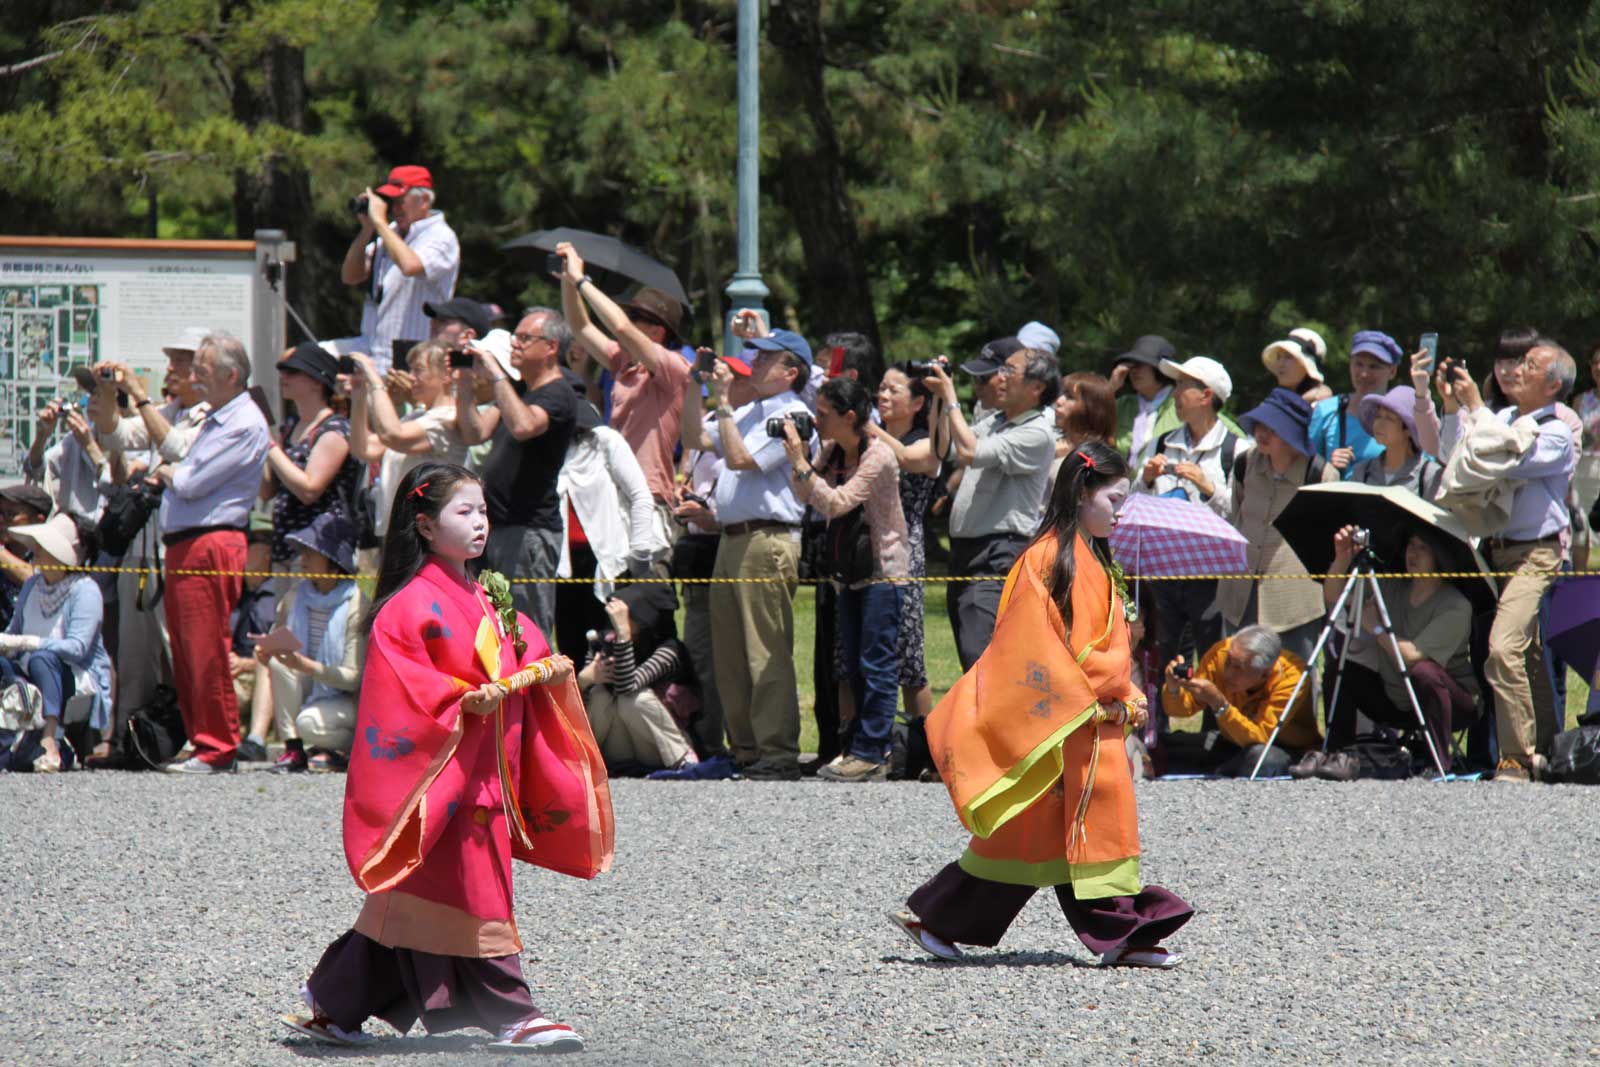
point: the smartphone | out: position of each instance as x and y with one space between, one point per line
705 362
461 360
1430 345
347 364
259 395
555 265
400 354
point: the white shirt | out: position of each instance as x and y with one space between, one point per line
1207 454
1145 421
763 493
602 480
398 316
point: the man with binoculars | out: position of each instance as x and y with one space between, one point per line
406 255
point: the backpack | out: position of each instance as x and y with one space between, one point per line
1575 754
846 555
155 731
1230 445
1313 469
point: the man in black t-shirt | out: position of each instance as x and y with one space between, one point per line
530 424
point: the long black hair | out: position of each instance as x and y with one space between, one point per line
424 490
848 397
1084 470
919 387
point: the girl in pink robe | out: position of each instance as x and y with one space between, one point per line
452 777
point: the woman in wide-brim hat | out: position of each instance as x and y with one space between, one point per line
1298 363
53 644
1391 420
309 465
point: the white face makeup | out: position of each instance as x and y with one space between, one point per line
1097 516
462 527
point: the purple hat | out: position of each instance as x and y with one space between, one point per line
1378 345
1286 414
1402 400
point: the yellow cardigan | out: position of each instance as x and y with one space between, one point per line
1250 716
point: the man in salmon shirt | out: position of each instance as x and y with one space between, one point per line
647 397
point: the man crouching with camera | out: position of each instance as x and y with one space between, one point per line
754 622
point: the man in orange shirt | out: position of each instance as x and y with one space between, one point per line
647 397
1244 682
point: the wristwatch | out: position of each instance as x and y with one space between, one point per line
724 411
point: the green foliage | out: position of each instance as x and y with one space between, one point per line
1218 173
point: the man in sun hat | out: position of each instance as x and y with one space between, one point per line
1335 432
1194 462
405 255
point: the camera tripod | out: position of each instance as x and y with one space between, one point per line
1363 579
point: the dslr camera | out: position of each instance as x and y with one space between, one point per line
358 203
601 646
924 370
803 425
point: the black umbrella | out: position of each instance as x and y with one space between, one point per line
608 254
1392 514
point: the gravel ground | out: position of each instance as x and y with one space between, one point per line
169 921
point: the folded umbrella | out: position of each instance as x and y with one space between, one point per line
1573 632
1160 536
1392 514
608 254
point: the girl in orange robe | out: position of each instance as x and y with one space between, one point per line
1030 745
453 776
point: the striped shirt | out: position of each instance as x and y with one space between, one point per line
393 308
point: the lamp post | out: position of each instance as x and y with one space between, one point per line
747 290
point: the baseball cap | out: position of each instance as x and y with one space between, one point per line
404 178
1207 370
741 362
782 341
188 340
1038 335
470 312
498 344
1150 350
992 356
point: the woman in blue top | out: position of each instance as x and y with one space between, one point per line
54 643
1336 432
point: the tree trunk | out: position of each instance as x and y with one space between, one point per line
277 195
810 182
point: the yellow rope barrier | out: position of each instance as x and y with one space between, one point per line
929 580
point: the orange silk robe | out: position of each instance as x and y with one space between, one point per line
1030 741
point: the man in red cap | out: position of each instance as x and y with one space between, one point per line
406 255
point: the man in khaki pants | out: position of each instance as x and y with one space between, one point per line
1530 544
753 623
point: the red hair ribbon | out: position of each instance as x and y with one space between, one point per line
417 492
1087 462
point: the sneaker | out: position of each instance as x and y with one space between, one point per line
763 771
1131 956
293 761
1309 765
195 765
537 1034
1340 767
251 751
853 769
1509 770
927 942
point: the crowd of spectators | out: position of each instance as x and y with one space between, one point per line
610 451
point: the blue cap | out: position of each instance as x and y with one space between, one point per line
1378 345
782 341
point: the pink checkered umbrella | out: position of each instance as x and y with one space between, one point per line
1158 536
